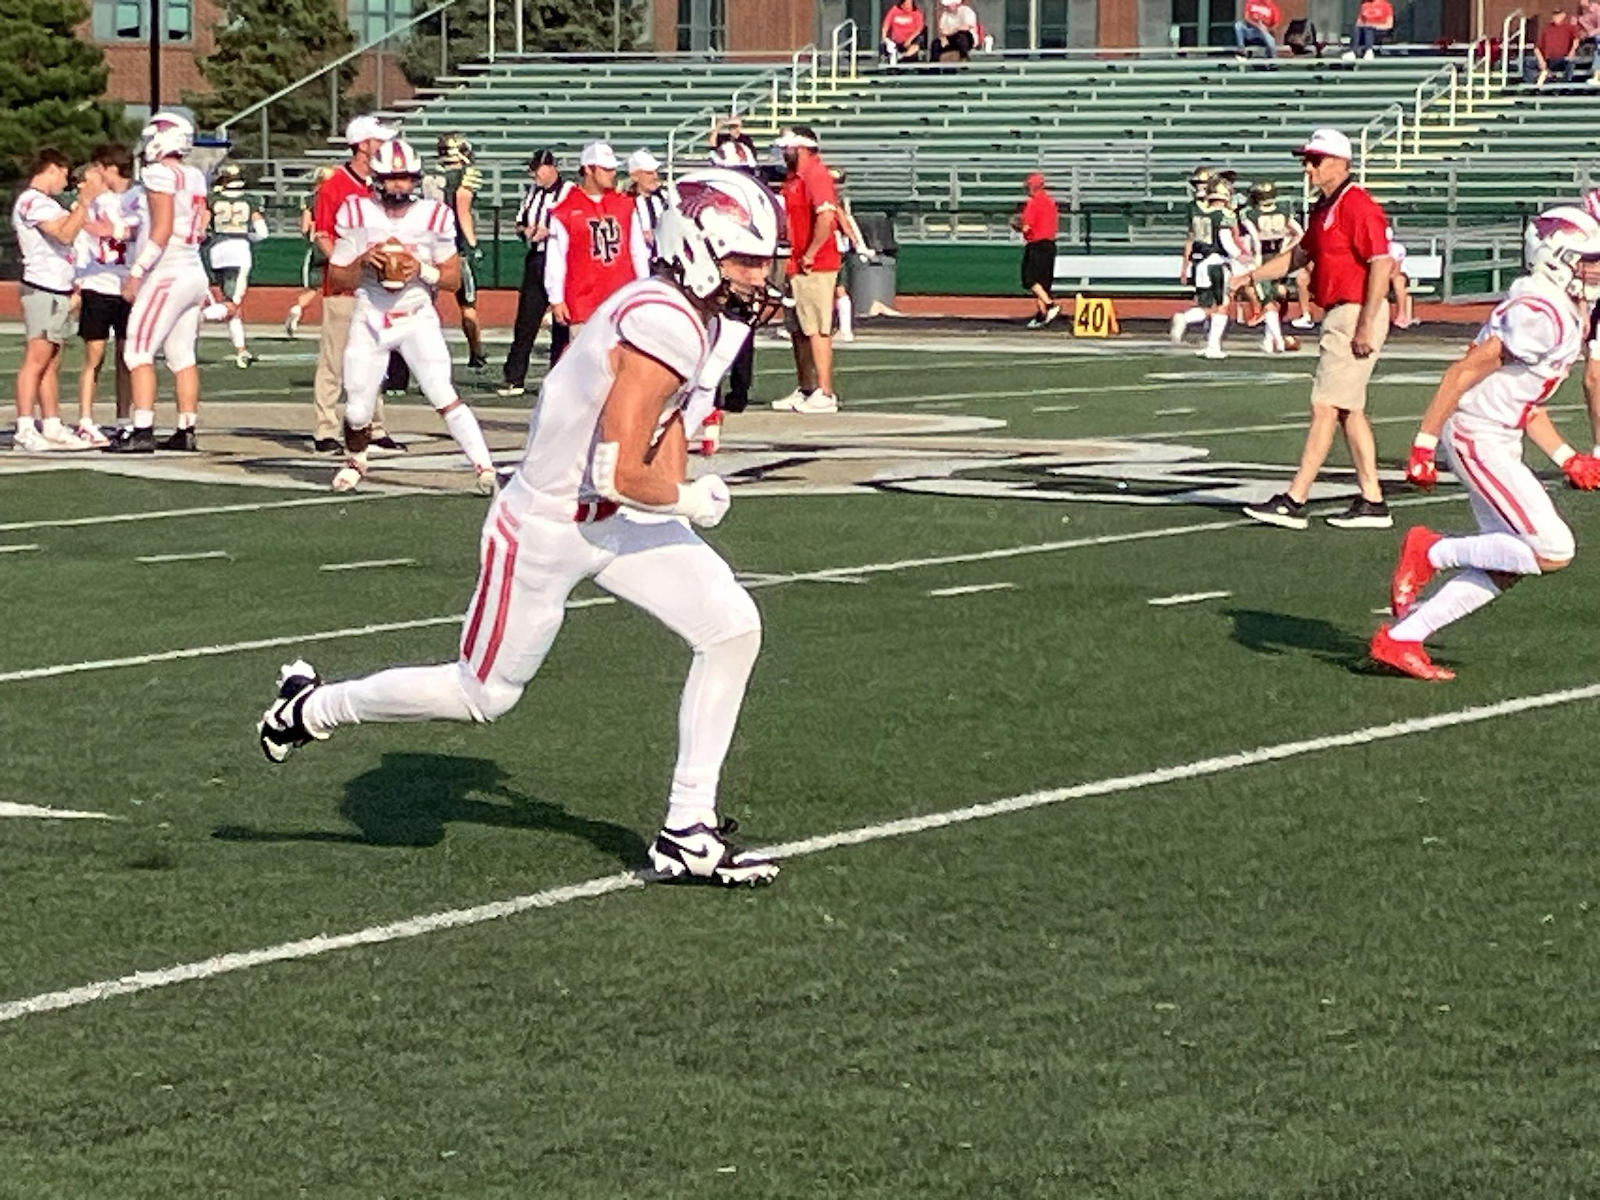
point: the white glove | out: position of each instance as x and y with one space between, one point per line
704 502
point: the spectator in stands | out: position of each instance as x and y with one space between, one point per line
1400 285
1374 23
811 211
1257 27
1553 49
1039 222
905 33
1346 244
353 179
958 31
1589 37
546 191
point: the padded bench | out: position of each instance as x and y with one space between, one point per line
1157 274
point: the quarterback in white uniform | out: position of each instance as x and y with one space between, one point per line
168 286
1486 402
398 250
601 494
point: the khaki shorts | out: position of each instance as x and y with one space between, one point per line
45 314
1341 378
813 302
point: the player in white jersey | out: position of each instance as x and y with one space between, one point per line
46 234
398 250
167 285
111 239
236 225
1486 402
600 494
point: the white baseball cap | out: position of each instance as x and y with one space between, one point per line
643 160
791 138
1327 141
364 129
598 154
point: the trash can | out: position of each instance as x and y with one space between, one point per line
872 280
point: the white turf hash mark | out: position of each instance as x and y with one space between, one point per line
172 558
1187 598
972 589
17 549
223 964
827 575
8 809
369 563
205 511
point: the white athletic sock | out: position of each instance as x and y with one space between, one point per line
401 694
1192 316
236 334
712 696
25 425
846 311
1219 322
1487 552
52 427
1461 594
188 420
296 311
144 418
1274 327
463 426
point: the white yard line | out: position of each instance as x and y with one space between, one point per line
369 564
204 511
17 549
1172 412
8 809
1057 408
1187 598
196 556
972 589
1026 393
429 923
827 575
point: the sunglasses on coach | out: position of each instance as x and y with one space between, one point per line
1314 160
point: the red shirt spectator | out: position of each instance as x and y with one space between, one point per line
340 186
901 24
806 192
1379 14
599 235
1263 12
1344 233
1557 38
1041 219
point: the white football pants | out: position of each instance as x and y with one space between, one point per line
530 567
420 341
166 316
1506 495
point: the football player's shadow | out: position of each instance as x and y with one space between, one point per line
1282 633
410 800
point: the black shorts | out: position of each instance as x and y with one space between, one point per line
102 315
467 293
1038 265
1210 285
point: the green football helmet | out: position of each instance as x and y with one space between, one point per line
454 150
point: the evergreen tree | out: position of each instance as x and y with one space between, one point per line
548 27
265 45
51 81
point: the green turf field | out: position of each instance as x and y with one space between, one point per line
1085 896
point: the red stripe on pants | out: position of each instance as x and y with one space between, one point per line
147 326
508 571
471 640
1491 485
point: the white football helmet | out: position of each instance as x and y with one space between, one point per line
713 213
395 160
166 134
1561 240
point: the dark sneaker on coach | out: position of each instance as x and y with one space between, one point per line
1363 514
1282 510
181 439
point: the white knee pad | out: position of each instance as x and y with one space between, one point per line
1553 543
488 699
740 623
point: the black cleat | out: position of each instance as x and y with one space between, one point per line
132 441
281 729
702 854
477 362
327 446
182 440
387 443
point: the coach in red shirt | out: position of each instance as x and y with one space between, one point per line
811 211
1346 244
1039 222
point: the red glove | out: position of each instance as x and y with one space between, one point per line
1582 472
1422 471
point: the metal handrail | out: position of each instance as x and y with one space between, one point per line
1364 139
844 38
1441 82
1516 15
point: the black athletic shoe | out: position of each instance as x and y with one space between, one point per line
1282 510
1363 514
281 729
327 446
703 854
134 441
477 362
387 443
181 439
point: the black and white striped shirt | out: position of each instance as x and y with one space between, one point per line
536 205
648 207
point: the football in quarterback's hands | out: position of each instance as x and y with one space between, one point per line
399 265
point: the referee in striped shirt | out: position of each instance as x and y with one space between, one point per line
649 201
533 226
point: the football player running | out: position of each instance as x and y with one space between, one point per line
397 250
1211 244
1276 230
236 225
601 494
1486 402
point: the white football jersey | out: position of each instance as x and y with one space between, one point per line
104 259
46 263
652 317
425 228
187 187
1541 329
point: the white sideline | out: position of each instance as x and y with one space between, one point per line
205 511
8 809
418 926
826 575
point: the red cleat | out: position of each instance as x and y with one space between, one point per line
1413 571
1409 658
